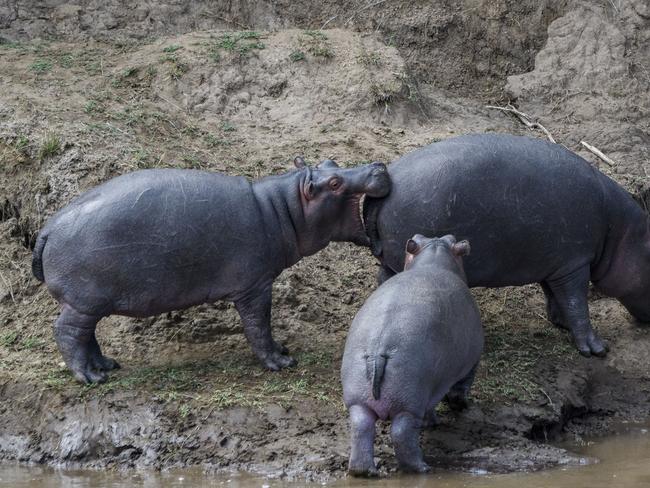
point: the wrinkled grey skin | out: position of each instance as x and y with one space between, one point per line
158 240
417 338
537 212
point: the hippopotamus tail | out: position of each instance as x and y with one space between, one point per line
37 256
378 367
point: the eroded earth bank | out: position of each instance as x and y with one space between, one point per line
96 89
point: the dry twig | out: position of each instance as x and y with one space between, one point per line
598 153
524 119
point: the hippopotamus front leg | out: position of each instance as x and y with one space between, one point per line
362 432
255 313
74 333
553 312
405 434
570 293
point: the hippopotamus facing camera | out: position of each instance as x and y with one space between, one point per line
158 240
537 213
417 338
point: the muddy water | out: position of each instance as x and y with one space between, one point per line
624 463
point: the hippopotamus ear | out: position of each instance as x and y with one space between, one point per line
412 247
299 162
327 164
461 248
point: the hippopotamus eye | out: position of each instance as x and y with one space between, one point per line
334 183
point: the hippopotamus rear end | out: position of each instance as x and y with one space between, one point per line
417 337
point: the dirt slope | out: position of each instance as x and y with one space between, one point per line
96 89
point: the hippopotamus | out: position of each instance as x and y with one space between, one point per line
537 212
417 338
158 240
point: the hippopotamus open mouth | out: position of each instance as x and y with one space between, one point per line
334 197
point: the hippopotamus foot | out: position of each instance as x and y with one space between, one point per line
456 398
280 348
362 433
74 333
98 360
405 434
255 313
570 294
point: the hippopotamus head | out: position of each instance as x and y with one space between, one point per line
332 197
420 248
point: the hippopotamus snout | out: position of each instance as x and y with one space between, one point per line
371 180
377 181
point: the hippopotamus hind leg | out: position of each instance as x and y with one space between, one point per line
456 398
405 433
553 312
570 292
255 313
74 333
362 433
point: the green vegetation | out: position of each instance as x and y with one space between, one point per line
369 59
9 338
296 56
176 68
172 48
51 146
214 384
241 43
65 60
213 141
514 347
93 106
317 44
314 34
40 66
21 143
227 127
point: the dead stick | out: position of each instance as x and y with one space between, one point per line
524 119
598 153
328 21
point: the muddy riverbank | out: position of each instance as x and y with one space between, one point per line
89 92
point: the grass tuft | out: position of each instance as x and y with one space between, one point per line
40 66
51 146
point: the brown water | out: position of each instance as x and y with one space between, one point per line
624 463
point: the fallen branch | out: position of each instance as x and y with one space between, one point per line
524 119
328 21
598 153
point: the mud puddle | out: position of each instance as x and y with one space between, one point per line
618 460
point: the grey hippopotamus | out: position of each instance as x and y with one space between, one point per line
417 338
158 240
537 212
